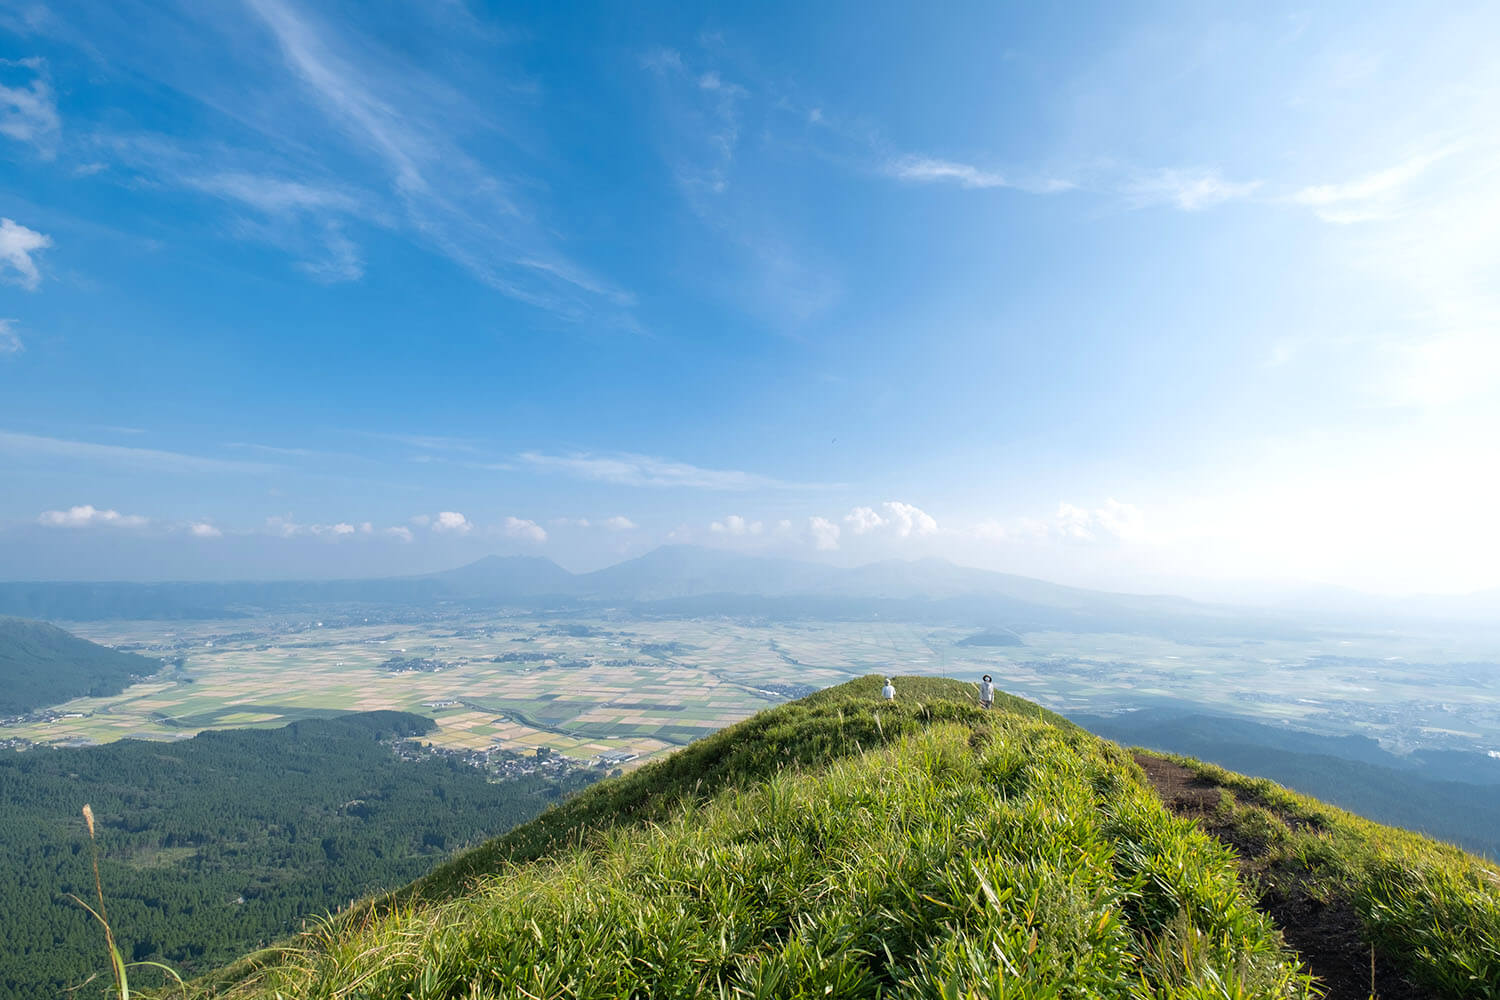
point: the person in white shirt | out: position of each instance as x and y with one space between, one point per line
986 693
889 691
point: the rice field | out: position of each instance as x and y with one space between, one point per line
584 687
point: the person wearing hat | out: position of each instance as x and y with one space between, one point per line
986 693
889 691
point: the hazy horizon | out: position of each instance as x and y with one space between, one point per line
1307 598
1164 299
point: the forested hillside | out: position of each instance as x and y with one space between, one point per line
42 665
215 845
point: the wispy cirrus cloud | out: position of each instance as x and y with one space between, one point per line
273 194
28 106
271 449
10 340
393 112
927 170
705 113
17 245
292 451
294 207
1371 196
427 442
709 114
37 446
1190 189
918 169
1425 230
648 471
321 132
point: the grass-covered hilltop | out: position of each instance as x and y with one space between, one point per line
839 846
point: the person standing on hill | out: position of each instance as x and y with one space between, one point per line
986 693
889 691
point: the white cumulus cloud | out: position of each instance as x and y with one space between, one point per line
1114 520
526 531
736 525
904 520
862 520
1109 523
400 532
202 529
619 523
17 244
452 522
86 515
825 534
908 519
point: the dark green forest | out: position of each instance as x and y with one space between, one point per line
216 845
42 665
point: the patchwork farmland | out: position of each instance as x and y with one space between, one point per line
633 688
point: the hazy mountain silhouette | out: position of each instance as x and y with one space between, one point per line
682 580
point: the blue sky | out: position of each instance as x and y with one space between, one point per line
1141 296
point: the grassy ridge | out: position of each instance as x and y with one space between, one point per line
812 731
1434 907
834 847
838 846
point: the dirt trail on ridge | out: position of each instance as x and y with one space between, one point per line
1328 936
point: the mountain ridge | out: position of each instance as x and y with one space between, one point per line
670 580
845 846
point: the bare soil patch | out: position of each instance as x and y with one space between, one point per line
1327 934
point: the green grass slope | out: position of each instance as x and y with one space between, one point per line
1431 910
842 847
43 665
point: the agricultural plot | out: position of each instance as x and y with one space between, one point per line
618 685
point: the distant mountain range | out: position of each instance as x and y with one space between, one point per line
674 580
